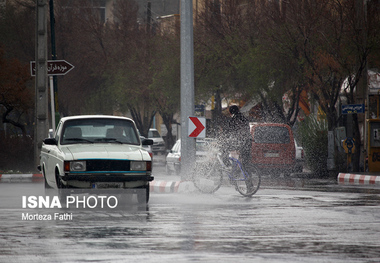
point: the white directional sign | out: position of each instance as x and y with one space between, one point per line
54 67
197 127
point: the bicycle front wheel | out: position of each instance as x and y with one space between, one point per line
248 183
207 177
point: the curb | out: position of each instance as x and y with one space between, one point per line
358 179
164 186
171 186
20 176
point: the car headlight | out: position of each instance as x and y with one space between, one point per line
138 166
75 166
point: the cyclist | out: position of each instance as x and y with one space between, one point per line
237 136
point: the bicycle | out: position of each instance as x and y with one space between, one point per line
208 176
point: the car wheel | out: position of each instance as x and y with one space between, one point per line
143 195
49 191
47 186
58 180
177 169
62 192
168 171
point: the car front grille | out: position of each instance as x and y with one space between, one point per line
107 165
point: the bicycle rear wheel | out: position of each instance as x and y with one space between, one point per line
207 177
247 184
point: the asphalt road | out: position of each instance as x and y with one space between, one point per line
281 223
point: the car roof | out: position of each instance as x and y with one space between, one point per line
94 117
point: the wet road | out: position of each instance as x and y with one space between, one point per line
276 225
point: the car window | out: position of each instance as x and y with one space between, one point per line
271 134
153 134
176 147
56 135
99 130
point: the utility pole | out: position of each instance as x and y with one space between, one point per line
41 95
148 18
362 86
187 87
55 110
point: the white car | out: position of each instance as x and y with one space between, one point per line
173 159
158 141
97 151
148 148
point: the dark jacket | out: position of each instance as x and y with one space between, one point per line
238 126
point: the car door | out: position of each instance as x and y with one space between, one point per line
173 158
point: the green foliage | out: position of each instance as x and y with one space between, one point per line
313 133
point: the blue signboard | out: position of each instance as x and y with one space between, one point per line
200 108
353 108
349 145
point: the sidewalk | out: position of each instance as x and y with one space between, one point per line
359 178
17 177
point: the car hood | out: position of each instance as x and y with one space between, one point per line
105 151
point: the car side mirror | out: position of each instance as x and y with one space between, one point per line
147 142
50 141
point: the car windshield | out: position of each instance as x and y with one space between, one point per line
271 134
99 130
153 134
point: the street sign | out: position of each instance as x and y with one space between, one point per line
54 67
197 127
353 108
349 145
200 108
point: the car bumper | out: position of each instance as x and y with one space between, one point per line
173 166
106 180
107 177
158 148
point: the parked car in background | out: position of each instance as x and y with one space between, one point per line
97 152
173 158
300 157
273 148
158 141
148 148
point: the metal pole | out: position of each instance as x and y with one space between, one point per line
53 56
52 103
187 87
41 97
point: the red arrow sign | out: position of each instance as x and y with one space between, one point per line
199 127
54 67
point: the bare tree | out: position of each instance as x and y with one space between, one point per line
15 93
325 41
